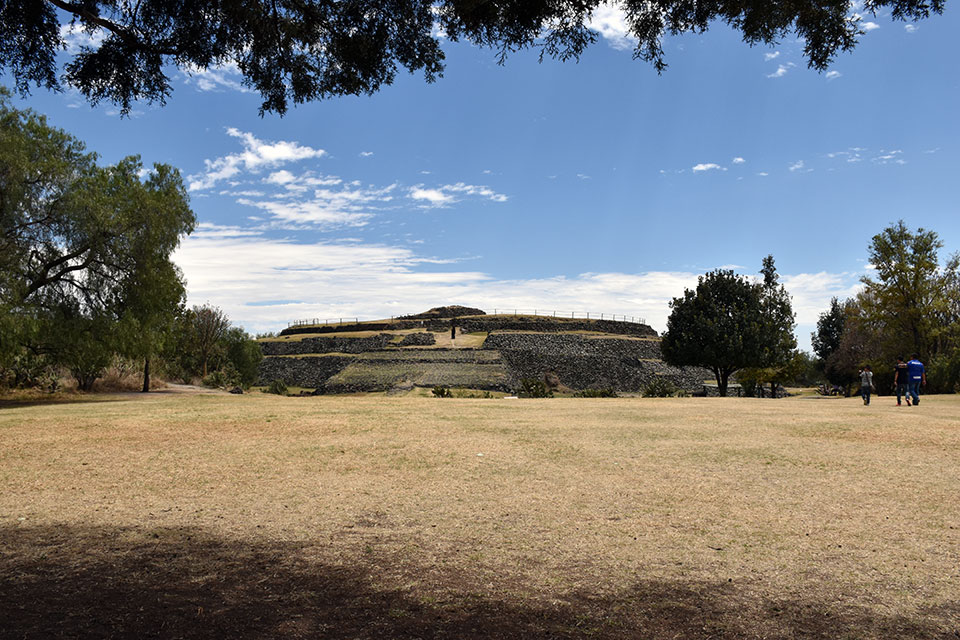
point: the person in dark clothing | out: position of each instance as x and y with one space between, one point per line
901 381
866 383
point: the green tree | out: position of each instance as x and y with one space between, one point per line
729 323
84 249
908 286
778 321
717 326
829 331
209 325
303 50
244 354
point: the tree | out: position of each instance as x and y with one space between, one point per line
909 286
791 370
85 267
303 50
209 326
829 331
778 321
730 323
716 326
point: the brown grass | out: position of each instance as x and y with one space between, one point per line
178 515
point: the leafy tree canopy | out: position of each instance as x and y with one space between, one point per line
302 50
729 323
85 267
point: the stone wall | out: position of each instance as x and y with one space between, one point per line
550 325
382 370
418 340
574 345
580 362
325 344
308 372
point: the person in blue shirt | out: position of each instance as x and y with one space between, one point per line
916 376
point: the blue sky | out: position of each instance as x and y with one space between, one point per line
593 186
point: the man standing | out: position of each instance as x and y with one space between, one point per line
901 380
916 376
866 383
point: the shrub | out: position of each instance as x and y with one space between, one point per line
277 387
659 388
596 393
442 392
533 388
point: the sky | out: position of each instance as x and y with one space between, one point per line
592 186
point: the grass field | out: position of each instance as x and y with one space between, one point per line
208 515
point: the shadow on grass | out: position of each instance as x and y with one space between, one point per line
131 583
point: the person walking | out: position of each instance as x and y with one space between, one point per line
917 377
866 383
901 381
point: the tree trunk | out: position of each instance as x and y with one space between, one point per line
146 375
722 378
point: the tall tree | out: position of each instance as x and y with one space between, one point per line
779 342
209 325
829 331
729 323
83 247
716 326
302 50
908 284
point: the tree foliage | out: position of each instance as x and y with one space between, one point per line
910 304
729 323
85 267
204 345
303 50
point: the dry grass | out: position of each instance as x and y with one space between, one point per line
201 515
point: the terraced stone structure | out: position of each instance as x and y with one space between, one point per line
489 352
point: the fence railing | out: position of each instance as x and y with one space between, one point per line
583 315
317 322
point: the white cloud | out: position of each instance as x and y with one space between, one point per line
910 28
708 166
763 174
448 194
352 279
75 37
771 56
433 197
257 154
797 166
779 73
611 23
869 26
833 75
738 160
225 76
851 155
889 157
366 154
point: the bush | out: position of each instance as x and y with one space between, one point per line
227 377
277 387
442 392
596 393
659 388
532 388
